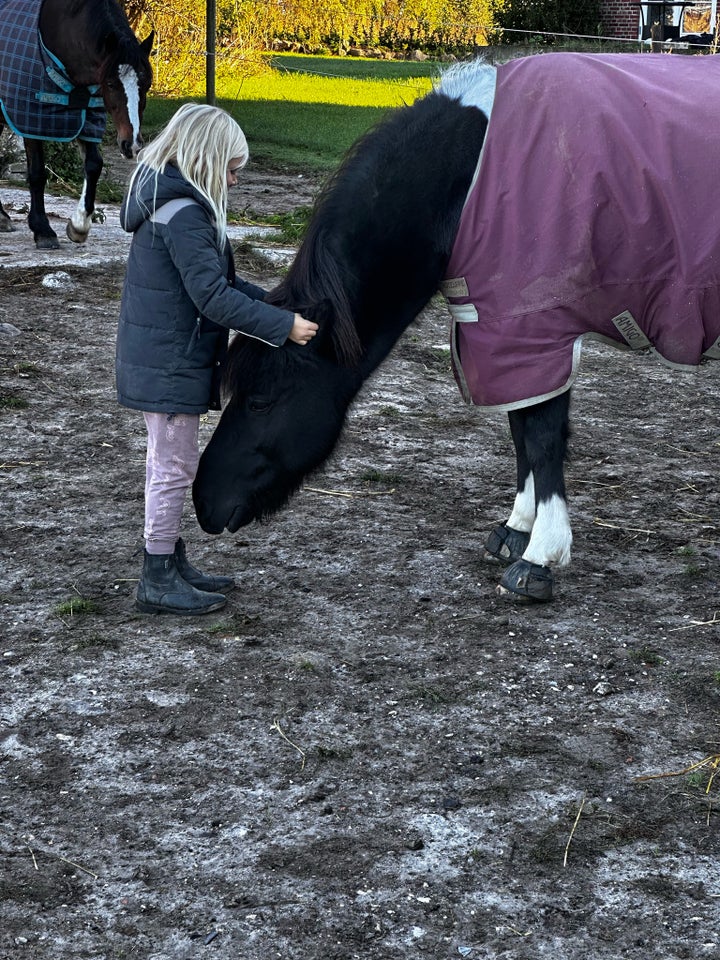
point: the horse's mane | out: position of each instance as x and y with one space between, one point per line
108 16
322 282
248 360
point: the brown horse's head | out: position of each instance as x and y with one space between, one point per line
125 80
96 46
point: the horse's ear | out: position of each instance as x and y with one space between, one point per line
147 43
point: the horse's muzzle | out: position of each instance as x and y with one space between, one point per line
130 148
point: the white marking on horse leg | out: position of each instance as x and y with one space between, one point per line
129 79
551 537
80 219
523 512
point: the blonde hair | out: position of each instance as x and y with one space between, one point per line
200 140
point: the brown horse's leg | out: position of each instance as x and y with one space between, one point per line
79 224
45 236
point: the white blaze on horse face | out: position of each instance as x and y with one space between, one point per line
522 517
551 536
129 79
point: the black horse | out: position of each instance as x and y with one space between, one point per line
65 64
566 245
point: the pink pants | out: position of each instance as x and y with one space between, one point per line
171 465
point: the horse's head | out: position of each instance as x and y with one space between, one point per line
125 80
284 417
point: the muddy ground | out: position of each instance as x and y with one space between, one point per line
367 754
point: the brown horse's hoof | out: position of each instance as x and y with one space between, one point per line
526 581
47 243
505 545
74 234
6 224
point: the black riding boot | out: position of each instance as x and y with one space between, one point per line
163 590
201 581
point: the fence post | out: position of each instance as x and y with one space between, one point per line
210 19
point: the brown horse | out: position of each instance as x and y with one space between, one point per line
64 65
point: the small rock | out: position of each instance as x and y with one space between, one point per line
58 281
8 330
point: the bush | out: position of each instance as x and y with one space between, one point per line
10 151
581 17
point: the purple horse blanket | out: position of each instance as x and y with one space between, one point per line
37 98
592 214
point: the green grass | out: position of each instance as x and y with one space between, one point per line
11 402
381 476
291 226
305 112
285 134
647 657
75 606
354 68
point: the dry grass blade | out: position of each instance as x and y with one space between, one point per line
572 832
698 623
621 526
276 726
348 494
713 762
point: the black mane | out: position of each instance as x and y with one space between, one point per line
382 228
107 17
128 50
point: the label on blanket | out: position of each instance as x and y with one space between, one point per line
630 331
455 287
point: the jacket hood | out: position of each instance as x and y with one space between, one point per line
150 195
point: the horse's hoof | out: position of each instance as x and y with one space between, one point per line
505 545
47 243
75 235
528 581
6 225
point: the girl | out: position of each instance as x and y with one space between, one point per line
180 299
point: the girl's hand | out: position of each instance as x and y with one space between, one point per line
302 330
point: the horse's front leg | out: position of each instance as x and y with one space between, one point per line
540 434
78 226
45 236
509 540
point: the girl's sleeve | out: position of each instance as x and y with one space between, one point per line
251 290
191 242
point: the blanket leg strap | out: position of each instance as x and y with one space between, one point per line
505 545
527 580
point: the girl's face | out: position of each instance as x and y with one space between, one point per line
233 171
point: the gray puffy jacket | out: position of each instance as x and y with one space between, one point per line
180 298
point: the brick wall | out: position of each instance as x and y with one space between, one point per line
619 19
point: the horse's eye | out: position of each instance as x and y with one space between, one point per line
259 404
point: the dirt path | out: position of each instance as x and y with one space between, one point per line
367 754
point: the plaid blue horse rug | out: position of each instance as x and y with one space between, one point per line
37 98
